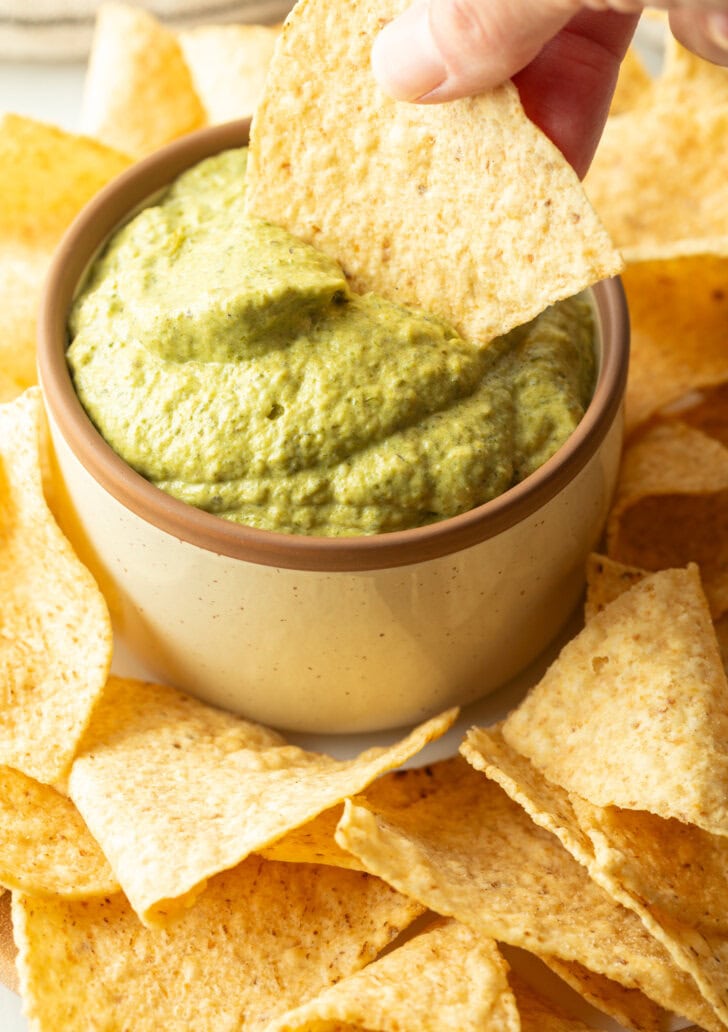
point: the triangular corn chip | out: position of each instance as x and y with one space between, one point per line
138 93
45 848
465 850
671 506
263 937
645 673
228 64
46 177
679 317
445 978
55 631
175 791
464 209
553 809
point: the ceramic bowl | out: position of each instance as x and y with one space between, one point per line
312 634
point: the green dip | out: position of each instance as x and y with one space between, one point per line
232 366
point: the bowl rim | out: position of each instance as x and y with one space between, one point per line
89 231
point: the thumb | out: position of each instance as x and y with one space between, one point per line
442 49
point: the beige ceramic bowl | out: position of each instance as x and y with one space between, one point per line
324 634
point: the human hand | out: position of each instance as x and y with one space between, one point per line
563 55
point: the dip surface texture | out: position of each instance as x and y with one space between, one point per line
231 365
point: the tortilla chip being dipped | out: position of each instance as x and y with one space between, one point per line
138 94
175 791
444 978
263 937
464 209
55 631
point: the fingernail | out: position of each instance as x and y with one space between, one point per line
717 24
406 61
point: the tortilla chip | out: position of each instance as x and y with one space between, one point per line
630 1007
633 84
721 633
641 672
46 177
378 195
22 272
679 314
688 80
45 848
138 93
263 938
553 809
175 791
228 64
467 851
313 843
8 973
671 506
606 579
539 1014
659 179
55 632
701 952
704 410
444 978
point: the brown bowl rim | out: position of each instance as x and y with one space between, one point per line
288 551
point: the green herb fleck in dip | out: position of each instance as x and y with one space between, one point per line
231 365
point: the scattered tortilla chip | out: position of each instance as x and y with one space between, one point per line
629 1006
55 631
688 80
642 672
46 177
671 506
553 809
659 179
606 579
444 978
539 1014
633 84
467 851
8 972
175 791
138 93
721 632
313 843
704 410
45 848
701 952
22 272
679 314
516 235
262 938
228 64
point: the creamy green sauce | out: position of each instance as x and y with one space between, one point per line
231 365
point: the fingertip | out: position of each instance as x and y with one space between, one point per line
703 32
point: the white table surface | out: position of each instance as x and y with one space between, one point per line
52 93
